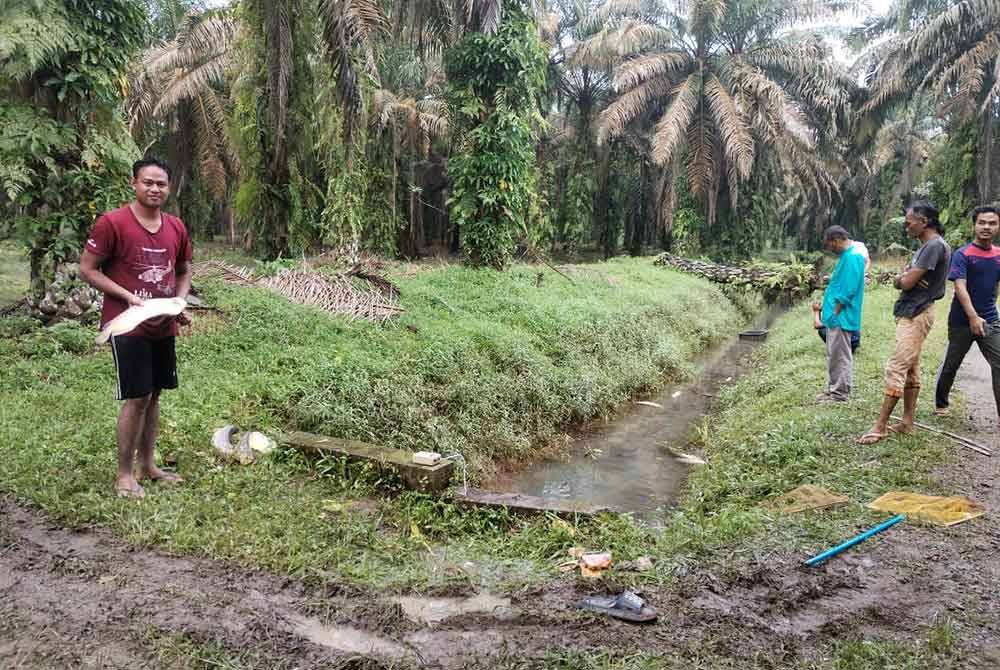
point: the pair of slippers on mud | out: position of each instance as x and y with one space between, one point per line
627 606
137 492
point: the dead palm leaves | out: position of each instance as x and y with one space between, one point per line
355 293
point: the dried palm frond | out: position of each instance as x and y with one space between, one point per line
630 105
355 293
335 295
670 129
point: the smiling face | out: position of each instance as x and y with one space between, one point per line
152 186
984 230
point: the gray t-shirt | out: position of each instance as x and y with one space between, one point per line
933 257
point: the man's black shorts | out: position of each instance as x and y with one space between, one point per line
143 365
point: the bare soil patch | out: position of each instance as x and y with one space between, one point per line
84 599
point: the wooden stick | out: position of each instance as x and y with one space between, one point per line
963 441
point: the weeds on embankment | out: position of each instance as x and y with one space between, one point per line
487 364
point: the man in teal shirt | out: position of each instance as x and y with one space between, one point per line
841 313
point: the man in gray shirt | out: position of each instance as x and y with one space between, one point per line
921 283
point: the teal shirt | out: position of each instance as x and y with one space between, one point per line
847 287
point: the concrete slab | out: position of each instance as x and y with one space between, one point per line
426 478
518 502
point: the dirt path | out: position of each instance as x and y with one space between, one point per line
84 599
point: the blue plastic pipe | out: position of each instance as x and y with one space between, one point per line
858 539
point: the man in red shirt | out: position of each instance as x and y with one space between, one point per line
137 253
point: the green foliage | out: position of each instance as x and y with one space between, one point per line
951 171
493 84
64 149
483 363
32 34
72 337
766 441
356 211
577 205
792 280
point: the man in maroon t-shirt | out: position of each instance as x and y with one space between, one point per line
137 253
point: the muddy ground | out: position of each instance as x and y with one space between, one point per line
84 599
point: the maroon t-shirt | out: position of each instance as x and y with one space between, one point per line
139 261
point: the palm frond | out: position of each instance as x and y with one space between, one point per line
669 134
190 83
705 17
642 69
970 70
349 27
701 168
629 106
737 143
210 166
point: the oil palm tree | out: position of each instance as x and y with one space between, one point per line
412 126
178 95
719 86
955 55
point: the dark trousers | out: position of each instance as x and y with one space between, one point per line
960 339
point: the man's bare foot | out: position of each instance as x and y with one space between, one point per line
942 411
902 428
873 436
158 475
128 487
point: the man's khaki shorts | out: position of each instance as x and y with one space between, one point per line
903 369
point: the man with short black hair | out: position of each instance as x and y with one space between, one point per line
136 253
841 313
975 269
921 284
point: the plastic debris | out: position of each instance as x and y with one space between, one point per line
857 539
222 441
260 442
251 444
594 565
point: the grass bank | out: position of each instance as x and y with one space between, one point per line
489 365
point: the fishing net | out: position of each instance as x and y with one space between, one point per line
804 498
938 510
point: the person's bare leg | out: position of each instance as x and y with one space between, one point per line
905 424
881 427
147 444
131 421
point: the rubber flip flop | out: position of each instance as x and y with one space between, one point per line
864 439
627 606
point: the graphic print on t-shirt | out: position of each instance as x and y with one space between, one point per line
155 265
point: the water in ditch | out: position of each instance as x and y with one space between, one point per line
626 463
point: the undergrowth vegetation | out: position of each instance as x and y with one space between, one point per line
486 364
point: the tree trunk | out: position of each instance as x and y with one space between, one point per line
600 221
985 167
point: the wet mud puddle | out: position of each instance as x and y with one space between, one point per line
626 463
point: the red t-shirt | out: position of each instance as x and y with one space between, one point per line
139 261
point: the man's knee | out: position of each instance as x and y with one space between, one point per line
142 403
